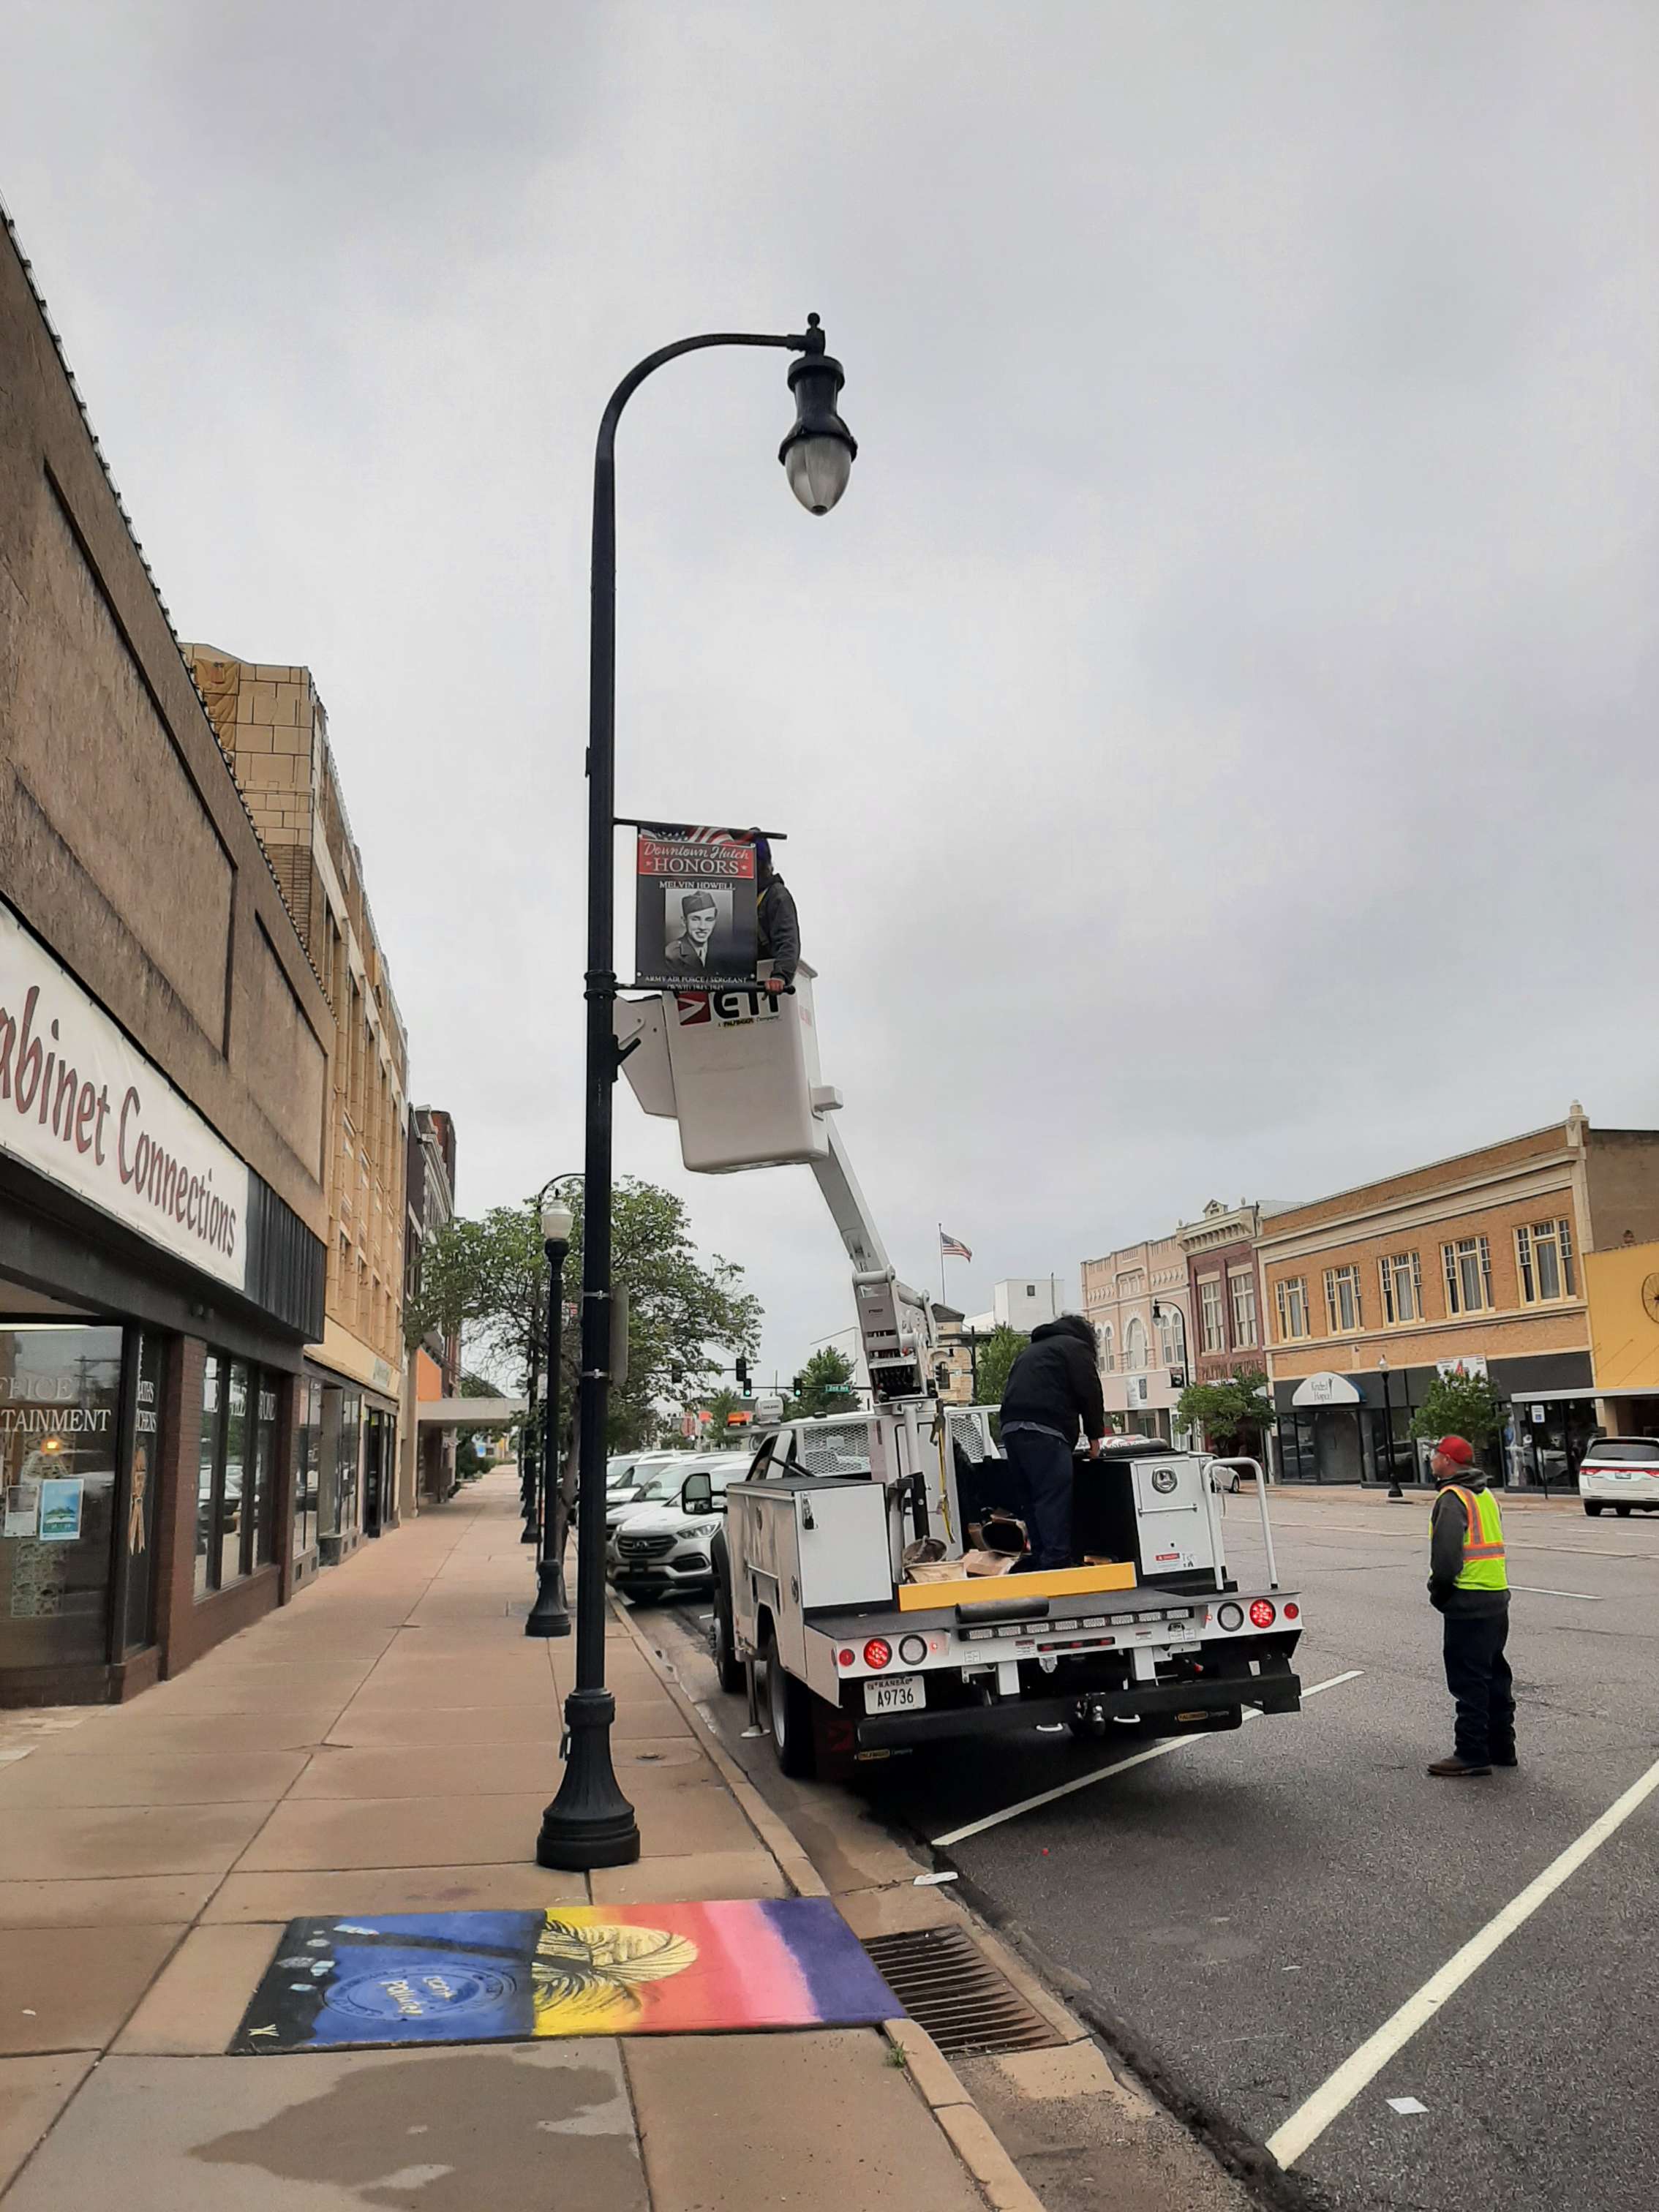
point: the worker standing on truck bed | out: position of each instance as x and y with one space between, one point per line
1469 1586
1053 1390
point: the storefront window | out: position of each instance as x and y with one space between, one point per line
264 1472
59 1396
237 1440
350 1449
308 1469
139 1627
207 1465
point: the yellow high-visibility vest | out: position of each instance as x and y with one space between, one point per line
1484 1564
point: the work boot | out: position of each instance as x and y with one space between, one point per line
1456 1770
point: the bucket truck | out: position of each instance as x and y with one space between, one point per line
839 1568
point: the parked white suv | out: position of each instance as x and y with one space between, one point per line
1622 1472
663 1547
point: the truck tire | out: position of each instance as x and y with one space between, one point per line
1592 1507
1623 1511
789 1716
728 1666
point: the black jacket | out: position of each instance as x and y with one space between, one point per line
1055 1381
1449 1527
780 929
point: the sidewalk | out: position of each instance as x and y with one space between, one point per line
387 1743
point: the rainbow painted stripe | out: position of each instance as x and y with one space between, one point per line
584 1969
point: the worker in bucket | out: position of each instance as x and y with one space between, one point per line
1469 1588
1052 1391
779 928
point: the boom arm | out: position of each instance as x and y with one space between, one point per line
895 1323
849 1209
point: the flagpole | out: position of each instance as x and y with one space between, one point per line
942 1299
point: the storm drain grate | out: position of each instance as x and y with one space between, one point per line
948 1986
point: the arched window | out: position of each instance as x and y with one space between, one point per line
1134 1342
1172 1336
1107 1348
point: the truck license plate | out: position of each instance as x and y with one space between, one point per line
903 1694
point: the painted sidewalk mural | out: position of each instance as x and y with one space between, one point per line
584 1969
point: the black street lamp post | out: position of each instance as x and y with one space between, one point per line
1395 1491
590 1823
528 1459
550 1613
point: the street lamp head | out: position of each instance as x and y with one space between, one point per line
818 454
556 1222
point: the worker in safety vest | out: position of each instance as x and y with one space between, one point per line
1469 1586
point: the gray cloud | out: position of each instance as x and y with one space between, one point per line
1215 730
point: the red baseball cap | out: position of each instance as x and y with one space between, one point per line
1458 1449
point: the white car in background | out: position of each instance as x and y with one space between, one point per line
1622 1472
664 1547
650 1481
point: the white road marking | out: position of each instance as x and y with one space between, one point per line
1332 2097
1159 1750
1534 1590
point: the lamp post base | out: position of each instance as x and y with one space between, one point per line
590 1823
551 1614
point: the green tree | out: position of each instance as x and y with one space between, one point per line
825 1386
1229 1414
717 1407
489 1277
997 1354
1461 1406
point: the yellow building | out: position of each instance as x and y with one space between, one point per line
274 732
1624 1318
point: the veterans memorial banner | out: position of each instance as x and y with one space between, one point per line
695 921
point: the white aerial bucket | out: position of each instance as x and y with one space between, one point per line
736 1069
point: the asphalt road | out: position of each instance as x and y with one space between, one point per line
1253 1907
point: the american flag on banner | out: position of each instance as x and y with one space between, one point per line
952 1248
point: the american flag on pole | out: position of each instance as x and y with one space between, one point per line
952 1248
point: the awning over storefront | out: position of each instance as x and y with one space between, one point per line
471 1413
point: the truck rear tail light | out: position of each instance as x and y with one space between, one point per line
1230 1617
1263 1613
878 1654
846 1657
913 1650
1292 1612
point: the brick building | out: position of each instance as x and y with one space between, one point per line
426 1457
164 1069
274 731
1478 1259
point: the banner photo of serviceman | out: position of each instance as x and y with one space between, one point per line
696 911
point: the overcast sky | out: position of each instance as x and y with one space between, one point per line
1216 731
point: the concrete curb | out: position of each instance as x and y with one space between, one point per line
935 2081
793 1864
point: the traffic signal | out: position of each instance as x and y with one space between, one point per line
743 1374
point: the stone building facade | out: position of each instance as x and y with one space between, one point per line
274 730
1136 1299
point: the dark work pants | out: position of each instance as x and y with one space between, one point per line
1478 1676
1042 1470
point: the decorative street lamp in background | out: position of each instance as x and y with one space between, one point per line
590 1823
1395 1491
551 1614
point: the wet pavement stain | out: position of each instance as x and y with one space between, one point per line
451 2134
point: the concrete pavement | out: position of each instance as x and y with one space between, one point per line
387 1743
